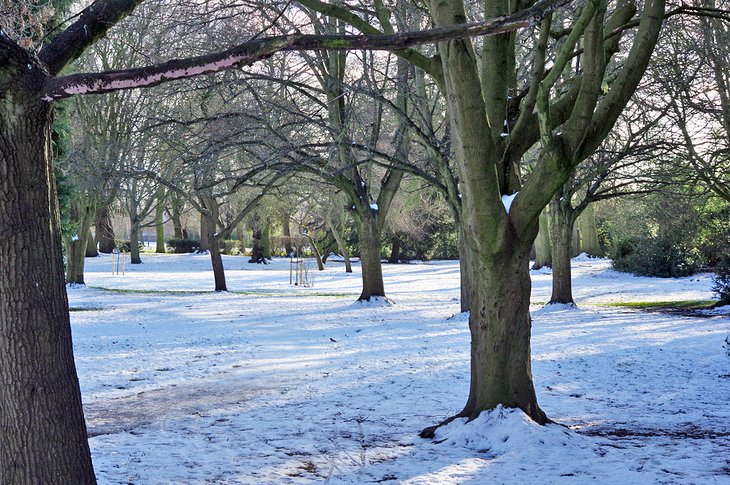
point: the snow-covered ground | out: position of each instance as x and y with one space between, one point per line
273 383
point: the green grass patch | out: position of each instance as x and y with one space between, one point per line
664 305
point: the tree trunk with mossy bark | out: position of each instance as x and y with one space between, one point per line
43 438
588 232
77 243
543 253
370 261
562 222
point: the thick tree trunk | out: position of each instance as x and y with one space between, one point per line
216 261
395 250
42 430
134 244
160 221
543 254
500 325
588 232
561 235
370 262
466 285
104 230
91 249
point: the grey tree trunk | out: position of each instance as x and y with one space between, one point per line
91 249
286 230
43 433
76 245
342 247
576 246
104 230
562 220
588 232
134 257
465 272
204 240
543 254
370 262
160 221
175 215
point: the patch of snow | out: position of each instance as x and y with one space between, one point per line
273 383
373 206
507 201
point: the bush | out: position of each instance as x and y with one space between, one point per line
653 256
231 247
721 281
181 246
126 246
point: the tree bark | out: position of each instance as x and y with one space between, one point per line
500 326
134 243
466 285
576 245
104 230
341 246
561 234
395 250
175 215
160 221
204 241
91 249
543 254
76 245
43 433
588 232
370 262
286 229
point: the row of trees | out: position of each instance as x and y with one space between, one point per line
499 127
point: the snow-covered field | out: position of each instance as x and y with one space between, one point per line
273 383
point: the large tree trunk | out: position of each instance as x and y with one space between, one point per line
588 232
543 254
561 234
466 285
370 262
104 230
42 430
500 325
134 244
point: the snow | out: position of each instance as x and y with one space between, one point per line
373 206
272 383
507 201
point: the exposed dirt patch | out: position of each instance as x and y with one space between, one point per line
124 414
